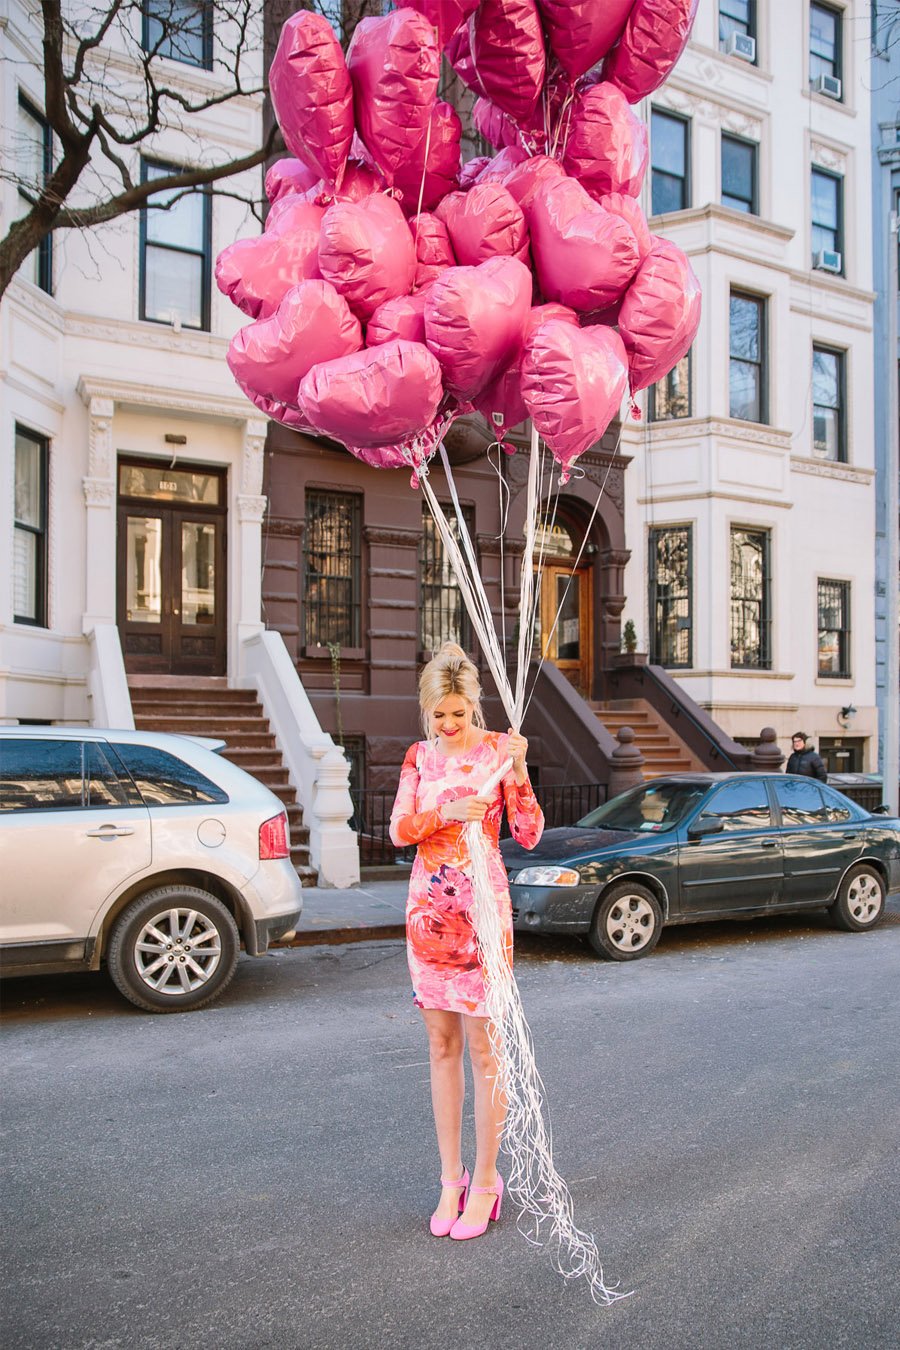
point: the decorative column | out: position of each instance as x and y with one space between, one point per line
251 508
99 488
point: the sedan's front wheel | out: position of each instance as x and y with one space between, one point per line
860 900
627 923
173 949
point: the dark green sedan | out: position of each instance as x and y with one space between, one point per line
694 847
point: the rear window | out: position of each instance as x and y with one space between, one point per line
41 775
165 780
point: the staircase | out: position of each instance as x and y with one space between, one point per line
207 707
663 751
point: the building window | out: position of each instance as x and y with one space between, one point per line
30 529
747 392
670 397
669 162
34 167
736 16
176 250
834 630
739 175
331 570
179 29
442 614
824 43
671 626
827 215
829 422
750 646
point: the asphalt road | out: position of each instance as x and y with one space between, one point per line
260 1174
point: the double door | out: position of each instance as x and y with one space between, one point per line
566 622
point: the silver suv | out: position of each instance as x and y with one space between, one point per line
147 851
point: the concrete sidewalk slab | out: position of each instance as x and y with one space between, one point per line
372 910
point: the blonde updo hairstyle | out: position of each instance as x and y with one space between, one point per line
449 672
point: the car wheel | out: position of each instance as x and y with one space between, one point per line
627 923
173 949
860 900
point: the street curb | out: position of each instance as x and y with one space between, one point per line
333 937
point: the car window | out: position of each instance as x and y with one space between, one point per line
40 775
837 808
801 802
655 808
102 784
164 780
741 805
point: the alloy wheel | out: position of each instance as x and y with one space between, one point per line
177 951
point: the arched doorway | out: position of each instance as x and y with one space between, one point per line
567 600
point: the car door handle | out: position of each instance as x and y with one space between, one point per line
851 836
768 843
109 832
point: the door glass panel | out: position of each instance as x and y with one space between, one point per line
102 784
740 806
40 775
198 572
143 570
569 632
801 802
161 483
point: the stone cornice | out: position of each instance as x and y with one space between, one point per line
715 211
824 468
225 408
396 537
689 428
187 342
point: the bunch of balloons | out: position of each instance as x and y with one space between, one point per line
395 288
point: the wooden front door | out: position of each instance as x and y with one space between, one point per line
567 623
171 569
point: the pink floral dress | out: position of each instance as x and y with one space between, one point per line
441 946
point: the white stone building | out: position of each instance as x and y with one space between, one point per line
751 514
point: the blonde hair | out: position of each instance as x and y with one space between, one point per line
449 672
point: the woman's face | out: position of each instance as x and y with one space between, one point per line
451 719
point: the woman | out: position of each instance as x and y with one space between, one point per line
436 798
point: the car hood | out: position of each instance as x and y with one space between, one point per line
567 843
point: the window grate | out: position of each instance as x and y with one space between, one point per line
834 629
331 570
442 614
671 620
750 600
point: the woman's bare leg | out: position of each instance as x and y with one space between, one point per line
446 1041
490 1113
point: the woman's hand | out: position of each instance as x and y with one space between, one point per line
464 809
517 747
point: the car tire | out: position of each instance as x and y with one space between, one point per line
627 922
173 949
859 905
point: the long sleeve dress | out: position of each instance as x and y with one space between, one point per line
441 945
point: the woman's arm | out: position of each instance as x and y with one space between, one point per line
409 826
526 819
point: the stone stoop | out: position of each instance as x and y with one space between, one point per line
663 751
207 707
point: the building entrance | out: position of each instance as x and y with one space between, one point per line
171 568
567 637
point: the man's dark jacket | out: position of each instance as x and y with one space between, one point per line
807 763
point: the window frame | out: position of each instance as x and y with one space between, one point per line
206 63
764 602
44 249
751 30
838 64
41 532
354 500
753 208
657 652
762 304
653 413
466 637
844 631
205 253
841 356
838 179
686 179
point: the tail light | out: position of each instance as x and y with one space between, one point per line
273 838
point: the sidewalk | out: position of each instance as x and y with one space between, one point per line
374 910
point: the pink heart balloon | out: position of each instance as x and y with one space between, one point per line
660 314
434 252
375 397
573 382
312 323
474 321
359 181
445 16
287 176
502 402
493 125
581 31
256 273
483 223
287 414
496 169
525 180
428 183
607 148
507 45
629 209
394 63
655 35
471 171
585 256
366 251
403 317
311 94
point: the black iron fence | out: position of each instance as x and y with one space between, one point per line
562 804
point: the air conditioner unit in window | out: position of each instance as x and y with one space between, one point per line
827 260
829 85
742 45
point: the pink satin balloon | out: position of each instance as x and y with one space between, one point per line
434 252
573 382
655 35
403 317
312 323
459 55
375 397
584 256
580 32
496 169
288 415
485 222
507 45
607 148
502 402
526 180
660 314
629 209
424 183
445 16
394 63
493 125
474 321
360 180
381 456
367 253
311 94
471 171
256 273
287 176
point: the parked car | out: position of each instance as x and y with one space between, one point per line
695 847
148 852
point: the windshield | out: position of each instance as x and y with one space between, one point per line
655 807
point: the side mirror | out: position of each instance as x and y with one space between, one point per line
882 810
704 826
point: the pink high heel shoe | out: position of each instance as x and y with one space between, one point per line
441 1227
461 1230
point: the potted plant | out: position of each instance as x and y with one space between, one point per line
629 654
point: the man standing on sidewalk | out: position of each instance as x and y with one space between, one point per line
804 760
